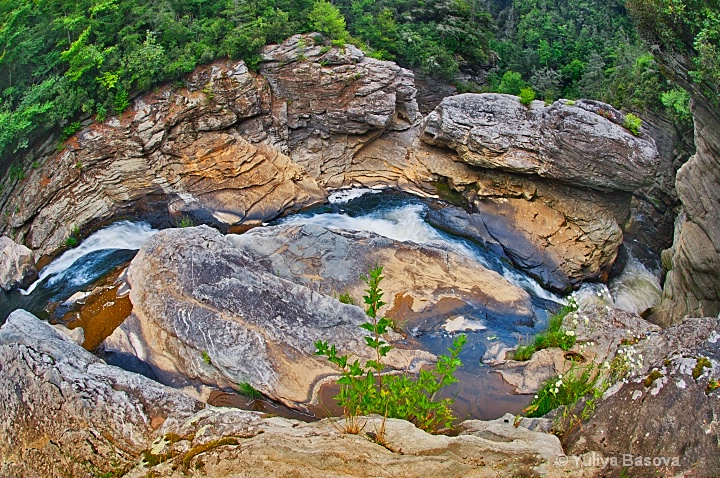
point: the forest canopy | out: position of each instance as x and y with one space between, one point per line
64 61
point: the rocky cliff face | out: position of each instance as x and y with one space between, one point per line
216 148
692 285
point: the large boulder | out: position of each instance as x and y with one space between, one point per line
567 142
66 413
664 418
223 310
17 265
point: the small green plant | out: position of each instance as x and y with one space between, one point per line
553 336
74 238
570 103
121 101
324 49
632 123
247 390
17 173
206 358
527 95
364 390
345 298
186 221
714 384
35 165
70 130
79 165
100 114
562 390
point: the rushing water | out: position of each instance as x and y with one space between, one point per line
77 268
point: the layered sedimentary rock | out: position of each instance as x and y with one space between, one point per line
223 310
217 147
692 285
232 147
575 143
67 413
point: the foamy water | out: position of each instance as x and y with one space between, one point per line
406 223
120 235
636 289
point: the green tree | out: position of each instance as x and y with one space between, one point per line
325 18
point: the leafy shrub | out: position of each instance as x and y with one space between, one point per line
70 130
562 390
363 390
346 299
511 83
632 123
249 391
186 221
16 173
527 95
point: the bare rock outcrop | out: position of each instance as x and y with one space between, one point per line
570 143
17 265
66 413
665 418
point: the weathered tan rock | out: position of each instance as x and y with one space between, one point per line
219 149
17 266
571 143
67 413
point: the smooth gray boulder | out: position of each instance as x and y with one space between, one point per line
223 310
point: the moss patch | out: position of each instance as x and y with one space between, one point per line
654 375
193 452
702 363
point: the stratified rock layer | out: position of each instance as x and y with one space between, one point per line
570 143
692 286
67 413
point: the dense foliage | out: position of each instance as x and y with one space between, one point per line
688 28
580 49
436 35
63 61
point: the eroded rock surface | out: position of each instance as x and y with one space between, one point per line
667 409
17 266
223 310
219 148
572 143
67 413
692 286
